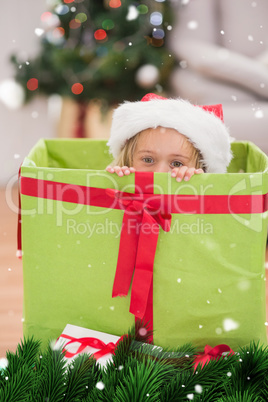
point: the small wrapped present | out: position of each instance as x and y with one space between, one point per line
76 340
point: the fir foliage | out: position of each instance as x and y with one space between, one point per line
137 373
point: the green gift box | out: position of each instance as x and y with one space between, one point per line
208 283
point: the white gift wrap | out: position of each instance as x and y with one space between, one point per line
74 331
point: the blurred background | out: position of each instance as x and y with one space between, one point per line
66 64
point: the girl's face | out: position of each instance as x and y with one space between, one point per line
161 150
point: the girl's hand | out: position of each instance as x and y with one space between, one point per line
120 171
184 172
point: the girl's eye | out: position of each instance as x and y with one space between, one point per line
147 160
176 164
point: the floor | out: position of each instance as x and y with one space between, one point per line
11 287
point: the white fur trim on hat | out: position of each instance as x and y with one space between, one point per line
206 131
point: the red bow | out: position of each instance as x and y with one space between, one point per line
96 343
138 241
212 354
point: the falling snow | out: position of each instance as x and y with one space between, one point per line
229 374
142 331
192 25
234 98
3 363
198 388
16 156
230 325
250 38
100 385
190 396
179 280
258 114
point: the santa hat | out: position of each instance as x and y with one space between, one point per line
202 125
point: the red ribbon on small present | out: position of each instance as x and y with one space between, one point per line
212 354
96 343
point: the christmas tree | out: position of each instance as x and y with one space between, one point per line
100 49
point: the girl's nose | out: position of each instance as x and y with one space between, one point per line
163 167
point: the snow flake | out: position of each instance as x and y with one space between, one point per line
3 363
200 326
27 63
218 331
9 269
192 25
39 31
169 27
183 386
111 308
147 394
190 396
23 319
6 378
262 85
184 2
198 388
240 360
229 374
230 325
222 32
244 285
219 290
179 280
120 367
73 9
208 302
100 385
89 265
142 331
250 38
234 98
266 323
258 114
183 64
130 44
248 378
35 114
132 13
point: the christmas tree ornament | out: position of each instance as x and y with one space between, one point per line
147 76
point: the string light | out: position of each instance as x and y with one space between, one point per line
74 24
100 34
77 88
32 84
115 3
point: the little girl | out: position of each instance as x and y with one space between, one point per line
168 135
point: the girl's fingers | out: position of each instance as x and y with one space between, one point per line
198 171
110 169
189 173
118 171
181 173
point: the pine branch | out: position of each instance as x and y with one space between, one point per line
143 382
51 376
81 377
250 371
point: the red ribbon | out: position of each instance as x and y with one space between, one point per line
212 354
95 343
